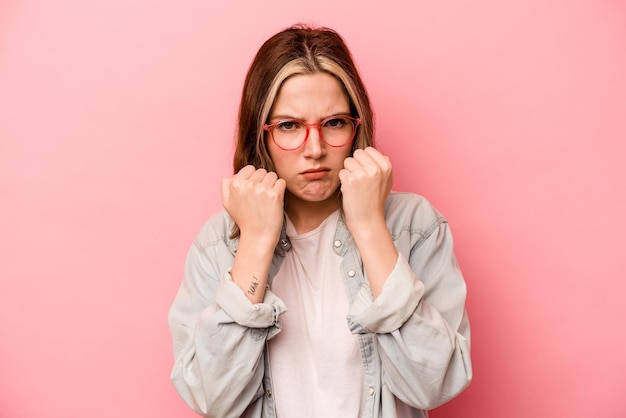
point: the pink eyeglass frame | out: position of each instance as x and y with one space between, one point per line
270 128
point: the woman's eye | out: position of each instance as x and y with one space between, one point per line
335 123
288 125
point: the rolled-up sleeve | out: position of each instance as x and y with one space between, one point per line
419 320
218 334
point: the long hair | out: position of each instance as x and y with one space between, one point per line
299 49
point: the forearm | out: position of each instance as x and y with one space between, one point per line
251 266
377 251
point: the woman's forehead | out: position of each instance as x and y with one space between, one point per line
317 95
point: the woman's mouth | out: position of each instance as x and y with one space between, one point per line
315 174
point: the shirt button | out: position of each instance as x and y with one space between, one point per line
371 391
351 273
337 243
283 242
268 393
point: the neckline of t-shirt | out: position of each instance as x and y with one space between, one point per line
292 234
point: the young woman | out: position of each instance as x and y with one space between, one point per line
317 292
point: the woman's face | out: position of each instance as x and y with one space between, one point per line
311 171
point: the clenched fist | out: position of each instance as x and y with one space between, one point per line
366 181
254 198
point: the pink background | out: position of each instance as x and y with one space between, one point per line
116 125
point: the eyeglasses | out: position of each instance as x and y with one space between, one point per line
290 134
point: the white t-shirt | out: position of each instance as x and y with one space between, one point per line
315 362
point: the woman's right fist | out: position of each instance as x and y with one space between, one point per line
255 198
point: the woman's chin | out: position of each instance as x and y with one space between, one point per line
316 193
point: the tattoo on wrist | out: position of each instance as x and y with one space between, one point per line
253 286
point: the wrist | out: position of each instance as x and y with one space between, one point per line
259 242
367 228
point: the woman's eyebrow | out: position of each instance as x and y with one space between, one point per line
286 116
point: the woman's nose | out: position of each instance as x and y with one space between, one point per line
314 145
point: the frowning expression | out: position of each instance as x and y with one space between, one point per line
312 170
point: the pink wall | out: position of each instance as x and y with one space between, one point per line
116 120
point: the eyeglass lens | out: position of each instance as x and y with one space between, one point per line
336 131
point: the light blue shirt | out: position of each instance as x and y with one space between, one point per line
414 338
